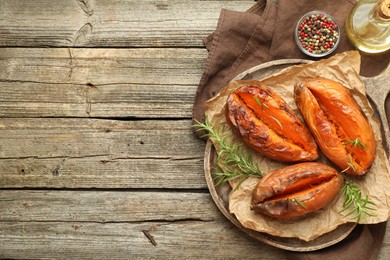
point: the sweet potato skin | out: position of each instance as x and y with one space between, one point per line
335 119
268 125
296 190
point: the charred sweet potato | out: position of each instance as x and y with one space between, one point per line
296 190
338 124
267 124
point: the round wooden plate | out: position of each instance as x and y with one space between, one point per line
220 195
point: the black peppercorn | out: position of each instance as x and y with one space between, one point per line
318 33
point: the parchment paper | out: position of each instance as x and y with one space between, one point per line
343 68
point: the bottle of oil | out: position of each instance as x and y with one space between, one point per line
368 25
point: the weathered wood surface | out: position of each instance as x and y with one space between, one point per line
63 82
127 23
161 66
106 224
102 172
91 153
75 138
173 240
106 206
96 150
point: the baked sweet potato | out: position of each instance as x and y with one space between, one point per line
267 124
338 124
296 190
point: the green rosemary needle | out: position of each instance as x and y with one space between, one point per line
261 104
358 205
350 166
356 143
300 203
223 176
235 163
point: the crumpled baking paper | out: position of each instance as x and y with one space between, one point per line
343 68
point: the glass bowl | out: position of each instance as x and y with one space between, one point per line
317 34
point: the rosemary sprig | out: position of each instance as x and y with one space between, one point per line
358 205
261 104
228 175
235 163
350 166
356 143
300 203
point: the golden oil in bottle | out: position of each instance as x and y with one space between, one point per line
368 25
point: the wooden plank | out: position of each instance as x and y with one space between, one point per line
106 206
94 67
100 23
82 153
176 240
76 138
57 82
66 222
102 172
30 99
41 224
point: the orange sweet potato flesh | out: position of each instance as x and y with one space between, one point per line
296 190
335 120
267 124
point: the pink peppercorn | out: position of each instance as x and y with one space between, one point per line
318 33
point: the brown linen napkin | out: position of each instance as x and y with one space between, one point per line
363 243
263 33
241 41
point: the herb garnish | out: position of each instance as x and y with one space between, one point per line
355 143
359 206
234 162
261 104
300 203
350 166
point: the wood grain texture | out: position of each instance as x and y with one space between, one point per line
88 153
86 66
102 172
58 82
378 96
72 138
187 239
106 206
174 240
47 224
97 158
91 23
41 224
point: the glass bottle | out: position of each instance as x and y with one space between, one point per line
368 25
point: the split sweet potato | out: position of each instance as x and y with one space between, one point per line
296 190
338 124
267 124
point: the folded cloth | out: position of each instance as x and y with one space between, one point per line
363 243
264 33
241 41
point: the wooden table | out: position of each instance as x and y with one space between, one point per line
97 159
